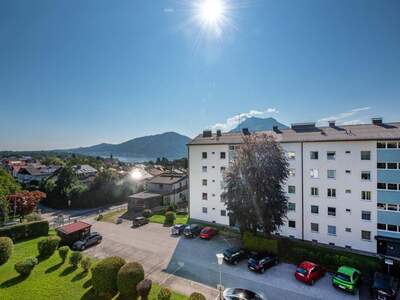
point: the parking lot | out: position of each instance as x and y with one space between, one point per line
181 262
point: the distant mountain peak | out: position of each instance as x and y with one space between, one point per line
259 124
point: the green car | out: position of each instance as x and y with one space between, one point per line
347 279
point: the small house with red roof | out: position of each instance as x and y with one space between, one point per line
73 232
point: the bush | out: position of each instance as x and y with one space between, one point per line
253 242
33 217
25 267
143 288
63 252
147 213
6 249
75 258
47 246
164 294
26 230
169 218
196 296
86 263
128 278
104 275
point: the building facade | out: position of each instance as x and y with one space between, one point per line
343 188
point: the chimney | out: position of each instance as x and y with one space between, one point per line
275 129
332 123
207 133
377 121
219 132
245 131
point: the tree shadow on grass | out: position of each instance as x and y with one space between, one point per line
41 258
13 281
68 270
87 284
79 276
91 295
54 268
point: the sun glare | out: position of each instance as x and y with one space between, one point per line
136 174
211 15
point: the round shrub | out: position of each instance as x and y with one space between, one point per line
128 278
75 258
197 296
146 213
86 262
25 267
104 275
6 249
143 288
169 218
164 294
47 246
63 252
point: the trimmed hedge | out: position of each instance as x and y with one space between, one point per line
104 276
259 243
25 230
25 267
63 252
197 296
75 258
128 278
6 249
164 294
86 263
169 218
47 246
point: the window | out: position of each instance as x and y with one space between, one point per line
331 192
314 173
381 145
204 210
314 209
204 169
331 174
292 172
392 166
348 191
331 155
392 186
391 227
204 155
223 213
381 205
222 155
381 185
348 152
291 189
314 155
365 195
204 182
365 175
314 191
222 169
291 155
391 145
292 224
365 155
381 226
231 147
205 196
365 235
314 227
348 171
348 229
392 207
291 206
331 230
381 165
366 215
332 211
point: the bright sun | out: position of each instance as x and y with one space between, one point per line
211 15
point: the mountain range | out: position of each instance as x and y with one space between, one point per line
259 124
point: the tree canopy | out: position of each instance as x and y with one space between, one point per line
254 195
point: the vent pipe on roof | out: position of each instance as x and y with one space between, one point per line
219 132
332 123
377 121
275 129
207 133
245 131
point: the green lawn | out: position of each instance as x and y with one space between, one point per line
179 219
49 280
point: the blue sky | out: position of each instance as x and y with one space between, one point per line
81 72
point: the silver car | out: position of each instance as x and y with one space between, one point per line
242 294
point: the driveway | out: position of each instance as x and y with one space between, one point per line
187 265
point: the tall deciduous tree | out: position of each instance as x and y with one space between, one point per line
255 197
25 201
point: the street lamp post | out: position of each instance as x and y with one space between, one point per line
220 259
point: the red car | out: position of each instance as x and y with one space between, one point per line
309 272
208 233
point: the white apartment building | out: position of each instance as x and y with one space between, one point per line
343 188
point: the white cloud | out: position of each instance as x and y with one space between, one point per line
342 118
234 121
169 10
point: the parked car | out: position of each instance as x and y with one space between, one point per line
177 229
139 221
234 255
309 272
347 279
241 294
91 239
260 262
384 287
208 233
192 230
